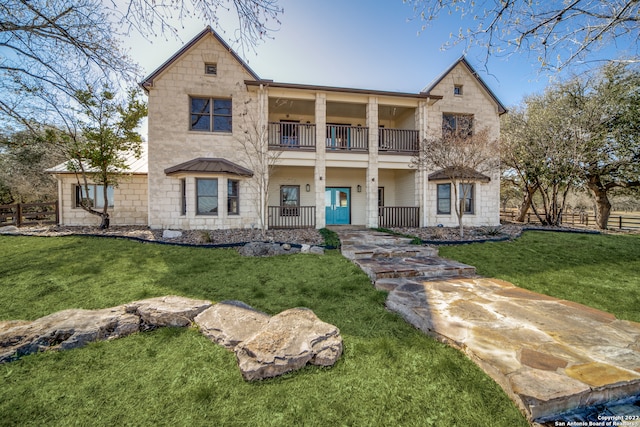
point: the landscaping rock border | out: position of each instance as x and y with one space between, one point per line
264 346
448 235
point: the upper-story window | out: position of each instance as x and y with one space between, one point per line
458 124
211 69
211 115
457 90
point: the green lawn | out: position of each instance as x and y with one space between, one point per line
390 374
601 271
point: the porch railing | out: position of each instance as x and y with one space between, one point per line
292 217
29 214
302 136
291 136
398 140
398 216
347 138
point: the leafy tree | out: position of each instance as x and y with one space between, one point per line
559 32
462 155
23 161
106 136
540 147
583 132
605 113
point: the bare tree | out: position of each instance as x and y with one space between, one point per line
256 18
559 32
48 48
51 49
462 156
262 161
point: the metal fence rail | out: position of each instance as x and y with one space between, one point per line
20 214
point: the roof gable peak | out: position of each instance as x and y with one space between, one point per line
148 82
463 61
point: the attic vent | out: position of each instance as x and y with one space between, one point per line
211 69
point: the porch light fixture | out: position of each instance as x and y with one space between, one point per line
308 188
359 187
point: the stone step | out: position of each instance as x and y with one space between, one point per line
424 267
372 238
388 251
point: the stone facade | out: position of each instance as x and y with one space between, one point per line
337 154
129 202
477 101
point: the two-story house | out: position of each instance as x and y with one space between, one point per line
218 134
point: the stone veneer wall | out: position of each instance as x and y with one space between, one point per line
171 142
130 202
474 100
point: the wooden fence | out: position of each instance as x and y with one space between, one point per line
583 219
29 214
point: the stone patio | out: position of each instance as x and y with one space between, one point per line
557 360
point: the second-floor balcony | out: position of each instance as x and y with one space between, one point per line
302 136
292 136
400 141
347 138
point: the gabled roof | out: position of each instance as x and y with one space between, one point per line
208 165
134 166
148 82
467 173
427 90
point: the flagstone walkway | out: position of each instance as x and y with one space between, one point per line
558 360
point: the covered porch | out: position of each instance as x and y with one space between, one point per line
300 197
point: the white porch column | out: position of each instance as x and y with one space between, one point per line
421 183
372 168
320 175
263 135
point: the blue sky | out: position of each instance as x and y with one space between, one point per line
359 44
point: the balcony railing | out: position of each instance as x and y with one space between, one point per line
292 217
398 141
347 138
398 216
292 136
302 136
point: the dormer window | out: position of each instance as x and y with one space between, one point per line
457 90
211 69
